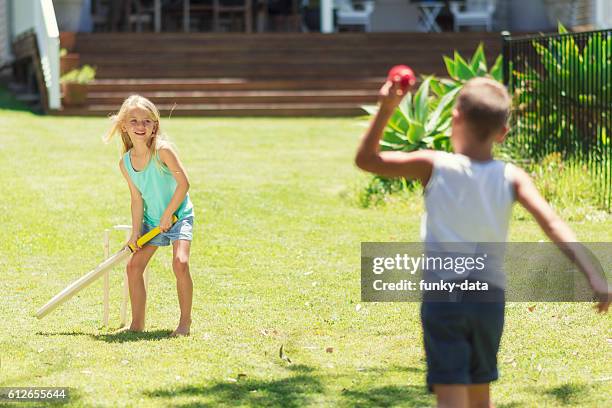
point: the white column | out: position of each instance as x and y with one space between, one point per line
47 35
327 16
602 14
5 33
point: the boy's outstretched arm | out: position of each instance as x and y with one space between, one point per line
560 233
415 165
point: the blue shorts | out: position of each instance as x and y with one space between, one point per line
182 229
461 341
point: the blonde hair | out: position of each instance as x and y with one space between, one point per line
485 104
156 141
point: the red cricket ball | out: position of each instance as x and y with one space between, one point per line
405 74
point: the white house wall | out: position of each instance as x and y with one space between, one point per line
5 35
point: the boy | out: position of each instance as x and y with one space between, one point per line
468 198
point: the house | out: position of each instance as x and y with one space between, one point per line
257 72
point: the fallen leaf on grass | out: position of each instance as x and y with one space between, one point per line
531 308
283 356
268 332
329 350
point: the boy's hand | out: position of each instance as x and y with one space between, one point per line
165 222
134 240
391 94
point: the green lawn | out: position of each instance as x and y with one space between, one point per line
275 261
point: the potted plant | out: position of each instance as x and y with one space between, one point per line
74 85
68 61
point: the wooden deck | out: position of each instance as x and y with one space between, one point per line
276 74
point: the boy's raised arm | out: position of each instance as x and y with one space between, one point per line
415 165
560 233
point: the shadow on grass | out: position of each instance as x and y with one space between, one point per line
293 391
8 102
126 337
389 396
512 404
303 386
568 393
393 368
123 337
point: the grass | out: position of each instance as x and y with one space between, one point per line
275 262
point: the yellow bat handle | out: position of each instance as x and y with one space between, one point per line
149 235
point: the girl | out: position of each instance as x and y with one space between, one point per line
158 187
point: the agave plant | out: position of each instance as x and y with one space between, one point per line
423 120
460 71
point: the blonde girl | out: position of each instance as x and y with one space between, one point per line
159 188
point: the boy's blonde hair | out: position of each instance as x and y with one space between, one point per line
157 139
485 105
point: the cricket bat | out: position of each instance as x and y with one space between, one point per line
85 280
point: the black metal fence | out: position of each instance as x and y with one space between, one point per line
561 84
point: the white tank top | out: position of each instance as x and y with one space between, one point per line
467 201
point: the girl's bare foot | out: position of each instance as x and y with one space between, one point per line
181 330
136 328
128 329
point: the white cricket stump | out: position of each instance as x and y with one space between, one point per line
126 289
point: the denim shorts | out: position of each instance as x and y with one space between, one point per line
182 229
461 341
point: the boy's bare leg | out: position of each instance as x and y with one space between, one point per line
451 395
138 294
479 396
184 284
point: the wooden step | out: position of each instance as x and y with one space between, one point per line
239 97
272 59
229 84
257 72
87 40
295 110
288 49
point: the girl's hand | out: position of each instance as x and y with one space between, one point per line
134 240
391 94
165 222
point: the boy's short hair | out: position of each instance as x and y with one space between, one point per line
485 105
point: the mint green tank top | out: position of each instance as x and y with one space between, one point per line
157 186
